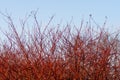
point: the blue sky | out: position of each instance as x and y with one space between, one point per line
64 10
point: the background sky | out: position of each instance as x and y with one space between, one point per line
64 10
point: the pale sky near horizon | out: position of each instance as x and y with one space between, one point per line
64 10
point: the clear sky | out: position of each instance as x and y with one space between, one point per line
65 9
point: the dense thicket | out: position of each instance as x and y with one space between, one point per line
59 54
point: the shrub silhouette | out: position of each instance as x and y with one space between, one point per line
59 54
